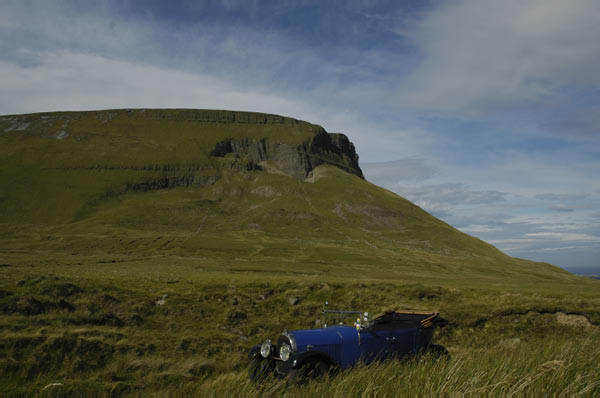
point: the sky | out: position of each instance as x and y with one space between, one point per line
485 113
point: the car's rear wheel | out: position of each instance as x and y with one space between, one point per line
312 368
436 352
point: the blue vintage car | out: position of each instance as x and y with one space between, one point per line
300 354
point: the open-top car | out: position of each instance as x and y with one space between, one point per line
300 354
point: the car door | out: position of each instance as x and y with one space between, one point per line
402 341
374 345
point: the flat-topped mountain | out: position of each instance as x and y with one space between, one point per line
240 190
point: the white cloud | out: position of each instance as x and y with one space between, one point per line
70 81
566 237
481 54
477 229
564 248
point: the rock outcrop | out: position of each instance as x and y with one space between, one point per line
296 161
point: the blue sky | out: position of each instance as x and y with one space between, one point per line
485 113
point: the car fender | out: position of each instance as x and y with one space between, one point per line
300 358
254 351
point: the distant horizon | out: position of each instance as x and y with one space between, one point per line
593 271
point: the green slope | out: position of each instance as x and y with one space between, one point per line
151 182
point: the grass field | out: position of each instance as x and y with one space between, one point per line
98 327
115 281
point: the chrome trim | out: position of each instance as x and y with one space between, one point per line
291 339
267 344
288 349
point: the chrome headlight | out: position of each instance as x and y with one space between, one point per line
284 352
265 349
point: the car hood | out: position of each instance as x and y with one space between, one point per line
334 335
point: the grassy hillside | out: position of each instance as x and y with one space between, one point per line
147 182
227 216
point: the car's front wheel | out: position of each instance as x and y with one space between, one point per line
311 368
259 369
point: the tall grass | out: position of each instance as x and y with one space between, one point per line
552 366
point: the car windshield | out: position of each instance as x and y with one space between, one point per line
344 317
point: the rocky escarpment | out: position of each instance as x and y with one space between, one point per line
296 161
110 153
252 140
255 154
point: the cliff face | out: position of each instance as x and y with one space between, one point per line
297 161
